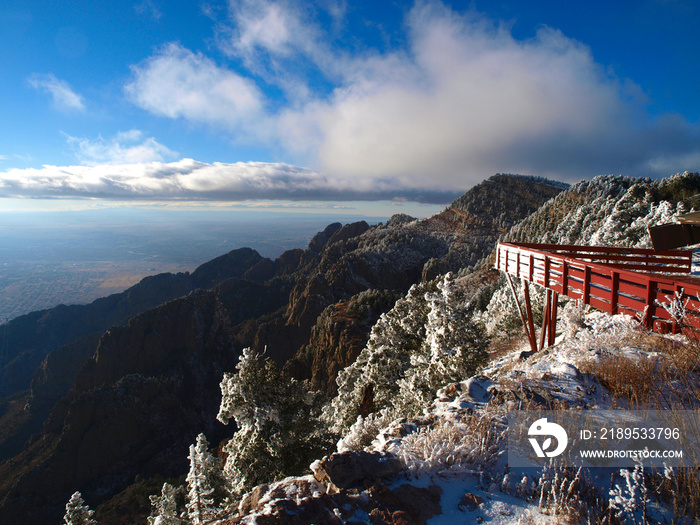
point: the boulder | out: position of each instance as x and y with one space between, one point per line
353 469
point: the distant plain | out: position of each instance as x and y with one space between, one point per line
75 257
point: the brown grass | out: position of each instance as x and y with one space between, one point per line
630 379
667 380
682 490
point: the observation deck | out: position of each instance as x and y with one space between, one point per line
636 282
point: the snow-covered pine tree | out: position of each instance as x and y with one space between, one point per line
200 485
278 432
427 340
165 507
383 362
454 348
77 512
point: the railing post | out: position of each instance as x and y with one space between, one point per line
586 284
649 315
564 277
614 290
553 320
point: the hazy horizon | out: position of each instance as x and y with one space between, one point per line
74 257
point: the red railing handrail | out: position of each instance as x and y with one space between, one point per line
680 259
617 280
576 248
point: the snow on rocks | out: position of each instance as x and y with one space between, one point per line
354 469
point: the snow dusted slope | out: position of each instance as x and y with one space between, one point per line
457 449
610 211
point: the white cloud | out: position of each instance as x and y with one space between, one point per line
127 147
469 100
463 99
148 8
279 42
190 180
270 28
63 96
178 83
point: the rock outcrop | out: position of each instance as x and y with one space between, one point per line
337 338
344 488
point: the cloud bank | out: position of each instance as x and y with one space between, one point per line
188 179
462 99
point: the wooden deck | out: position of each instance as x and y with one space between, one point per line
635 282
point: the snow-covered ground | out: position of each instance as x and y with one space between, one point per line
501 494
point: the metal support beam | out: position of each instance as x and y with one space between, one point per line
530 320
553 319
530 333
546 319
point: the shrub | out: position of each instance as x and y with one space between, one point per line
475 442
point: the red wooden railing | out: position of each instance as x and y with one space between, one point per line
636 282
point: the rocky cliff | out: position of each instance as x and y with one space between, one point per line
33 336
46 349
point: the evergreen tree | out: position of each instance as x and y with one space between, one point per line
453 349
382 363
278 434
200 484
427 340
77 512
165 507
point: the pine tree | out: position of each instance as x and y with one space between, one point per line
200 500
77 512
165 507
383 362
453 349
278 434
427 340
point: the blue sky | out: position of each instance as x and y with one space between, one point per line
337 101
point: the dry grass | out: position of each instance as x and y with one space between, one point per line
626 378
669 380
567 493
504 345
475 442
664 375
681 489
